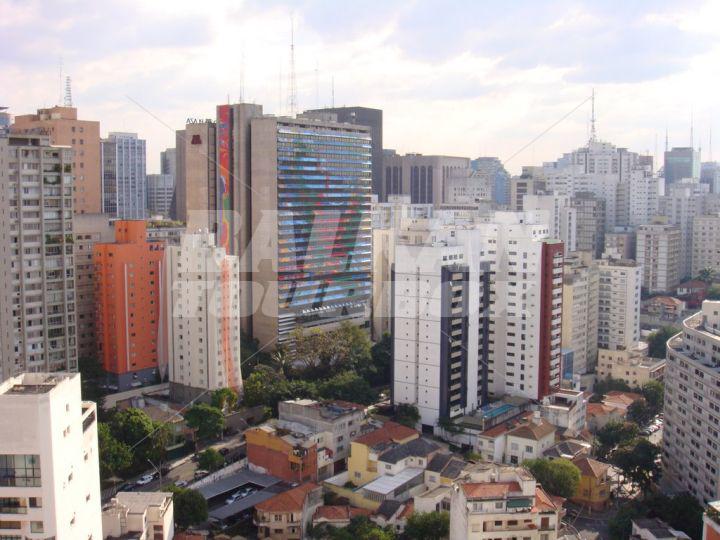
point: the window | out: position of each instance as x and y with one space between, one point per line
19 470
36 526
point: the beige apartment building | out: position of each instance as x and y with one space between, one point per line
83 136
633 366
658 251
706 244
581 280
195 169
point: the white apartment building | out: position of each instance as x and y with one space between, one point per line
581 287
124 182
202 336
619 303
490 501
49 468
37 294
706 244
144 515
160 190
467 186
685 201
561 217
658 251
691 438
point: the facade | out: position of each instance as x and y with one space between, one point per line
168 162
522 186
422 177
561 217
129 305
502 502
362 116
196 175
124 183
160 192
595 485
365 450
49 467
83 136
312 255
680 163
655 529
290 456
288 515
202 302
566 410
89 229
619 304
630 365
145 515
528 440
706 244
710 175
37 296
690 440
711 521
581 287
658 251
493 169
620 243
590 223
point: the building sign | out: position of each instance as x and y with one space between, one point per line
199 121
196 139
224 118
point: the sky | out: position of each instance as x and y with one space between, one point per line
453 77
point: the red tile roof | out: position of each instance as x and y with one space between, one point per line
590 467
624 398
600 409
389 432
289 501
489 490
339 513
546 503
506 426
409 508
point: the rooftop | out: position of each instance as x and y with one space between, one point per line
416 448
139 501
590 467
292 500
387 484
33 383
490 490
389 432
339 513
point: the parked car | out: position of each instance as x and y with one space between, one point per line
180 483
146 479
201 474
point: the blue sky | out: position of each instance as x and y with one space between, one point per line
455 77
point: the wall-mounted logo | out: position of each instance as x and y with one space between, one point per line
199 121
195 139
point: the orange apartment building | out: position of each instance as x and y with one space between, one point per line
292 457
129 305
83 136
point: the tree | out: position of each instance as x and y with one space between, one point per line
381 354
640 412
603 386
658 339
225 399
206 420
191 508
115 456
131 426
713 293
347 386
407 414
620 525
428 525
211 460
638 462
265 387
654 394
282 361
360 528
613 434
557 476
706 275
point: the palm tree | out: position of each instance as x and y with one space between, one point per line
282 361
706 275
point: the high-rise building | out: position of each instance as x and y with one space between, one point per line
128 293
710 175
168 162
706 244
5 120
124 183
310 205
49 466
493 169
88 230
590 219
195 176
203 324
620 243
681 163
83 136
690 438
160 191
561 217
658 251
682 203
37 294
580 312
520 187
362 116
619 303
422 177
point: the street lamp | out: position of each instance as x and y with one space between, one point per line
159 471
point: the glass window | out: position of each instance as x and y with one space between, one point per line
20 470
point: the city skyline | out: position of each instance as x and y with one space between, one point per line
477 81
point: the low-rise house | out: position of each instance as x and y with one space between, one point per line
139 515
631 365
492 501
443 470
593 491
665 307
600 414
693 292
711 521
337 516
566 410
365 451
287 516
529 439
569 449
394 514
655 529
621 400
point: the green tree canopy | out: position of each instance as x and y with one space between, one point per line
654 394
360 528
131 425
208 421
640 412
638 462
211 460
382 360
658 339
614 434
428 525
557 476
407 414
191 508
347 386
224 399
603 386
115 456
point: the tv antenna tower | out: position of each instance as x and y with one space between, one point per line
67 102
593 133
293 86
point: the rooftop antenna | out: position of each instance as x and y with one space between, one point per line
332 91
67 102
692 134
280 92
667 145
710 145
60 80
242 76
293 87
593 133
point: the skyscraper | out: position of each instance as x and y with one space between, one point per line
195 176
590 215
124 185
658 251
160 190
37 292
168 162
83 136
493 169
422 177
580 312
681 163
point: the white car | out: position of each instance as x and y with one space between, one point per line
180 483
143 480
